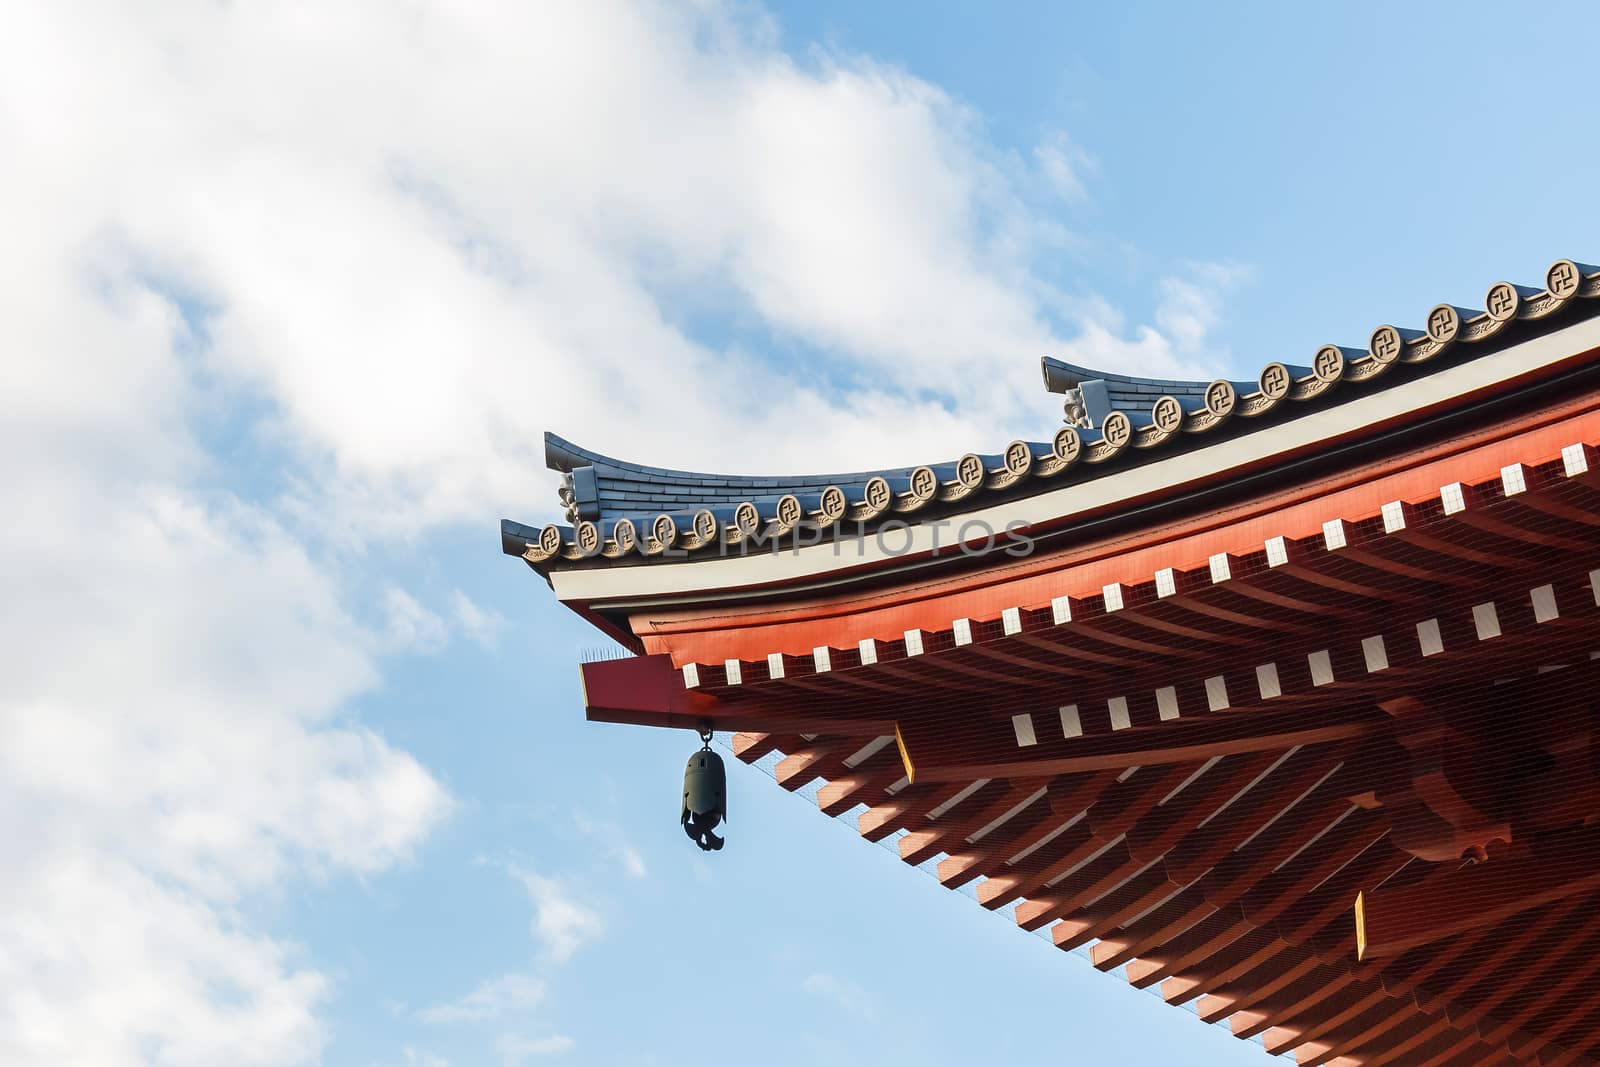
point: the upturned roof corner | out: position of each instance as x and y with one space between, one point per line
615 509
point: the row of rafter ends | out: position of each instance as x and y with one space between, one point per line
766 521
929 834
1576 461
949 828
932 833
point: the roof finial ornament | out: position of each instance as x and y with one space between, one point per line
569 498
1074 413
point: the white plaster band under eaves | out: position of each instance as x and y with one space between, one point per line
1172 472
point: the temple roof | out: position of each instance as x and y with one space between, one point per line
1096 394
603 488
616 510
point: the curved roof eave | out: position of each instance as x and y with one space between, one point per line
619 510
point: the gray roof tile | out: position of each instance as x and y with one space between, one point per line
612 488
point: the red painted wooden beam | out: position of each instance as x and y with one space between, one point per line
642 690
1390 921
649 691
949 750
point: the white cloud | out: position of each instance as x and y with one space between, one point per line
289 281
168 749
1188 312
632 863
1064 165
173 745
410 626
616 842
106 965
492 999
415 1057
426 246
479 624
1191 306
561 922
515 1049
848 996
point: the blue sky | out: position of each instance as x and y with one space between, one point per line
293 760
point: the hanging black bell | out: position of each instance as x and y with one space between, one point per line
705 796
